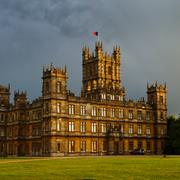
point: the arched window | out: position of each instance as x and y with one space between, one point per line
58 87
89 86
109 70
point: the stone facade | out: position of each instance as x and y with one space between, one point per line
99 122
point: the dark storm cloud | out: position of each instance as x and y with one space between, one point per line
37 32
70 17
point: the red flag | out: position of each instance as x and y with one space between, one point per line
95 33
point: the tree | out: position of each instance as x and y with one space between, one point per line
173 135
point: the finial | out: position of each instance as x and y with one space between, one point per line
51 65
156 84
65 68
147 85
113 48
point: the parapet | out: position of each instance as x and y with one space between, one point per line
156 87
20 94
4 89
54 71
87 55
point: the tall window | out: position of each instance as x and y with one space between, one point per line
71 126
139 129
147 115
58 87
58 107
109 70
83 146
94 127
71 109
130 114
161 99
1 132
58 147
139 115
103 112
162 131
120 113
120 98
148 130
58 125
71 146
83 127
94 146
122 128
103 125
139 144
112 112
94 111
112 97
83 110
2 117
131 146
103 96
104 146
130 128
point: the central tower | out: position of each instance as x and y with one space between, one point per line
101 74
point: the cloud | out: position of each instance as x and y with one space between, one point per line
72 18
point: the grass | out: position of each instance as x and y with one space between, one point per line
109 167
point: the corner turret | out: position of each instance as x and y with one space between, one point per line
4 96
20 99
54 81
156 95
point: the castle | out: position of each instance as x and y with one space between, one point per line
99 122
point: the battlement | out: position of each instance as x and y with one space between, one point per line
54 71
4 89
98 45
20 94
156 87
20 98
99 53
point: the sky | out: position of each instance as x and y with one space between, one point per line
34 33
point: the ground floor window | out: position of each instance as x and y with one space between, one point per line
58 147
94 146
36 149
131 146
71 146
83 146
139 145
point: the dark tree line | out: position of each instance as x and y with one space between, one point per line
173 136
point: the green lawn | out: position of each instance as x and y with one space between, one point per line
109 167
